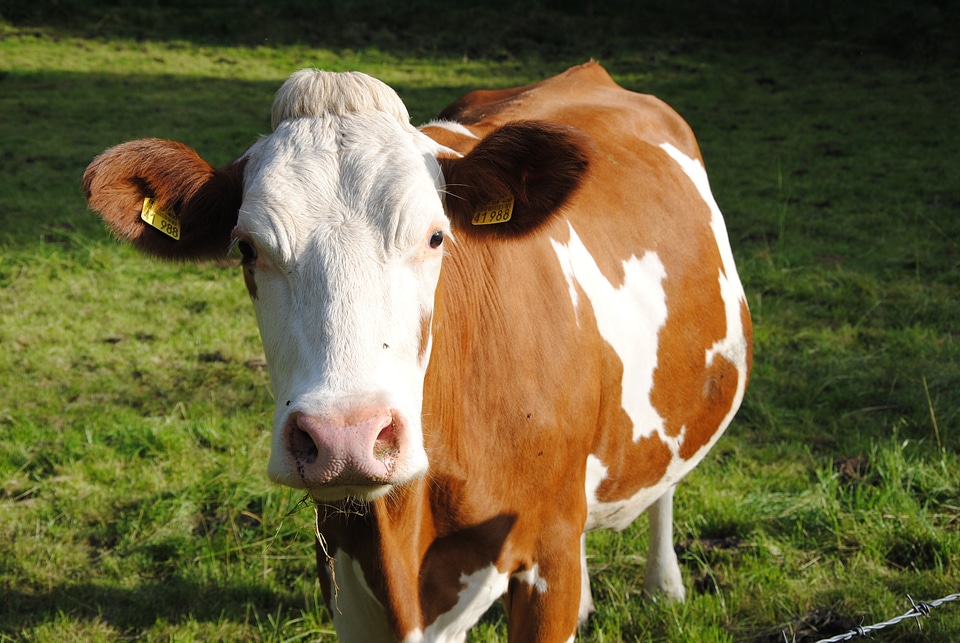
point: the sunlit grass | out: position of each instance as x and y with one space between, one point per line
135 406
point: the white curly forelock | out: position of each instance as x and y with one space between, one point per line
312 92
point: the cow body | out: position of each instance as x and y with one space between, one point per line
464 409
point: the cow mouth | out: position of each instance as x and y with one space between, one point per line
340 492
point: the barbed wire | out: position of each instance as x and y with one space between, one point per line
923 608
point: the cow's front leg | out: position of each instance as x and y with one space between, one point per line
662 575
586 597
543 602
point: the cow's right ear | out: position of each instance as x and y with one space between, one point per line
515 179
164 199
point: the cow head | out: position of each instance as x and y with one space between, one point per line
339 217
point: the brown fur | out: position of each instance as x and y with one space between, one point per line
520 388
205 200
540 164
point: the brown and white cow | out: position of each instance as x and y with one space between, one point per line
485 337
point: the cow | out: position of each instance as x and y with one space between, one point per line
486 337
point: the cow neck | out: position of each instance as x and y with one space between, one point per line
388 538
461 313
405 530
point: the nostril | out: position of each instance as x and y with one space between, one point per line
301 445
386 445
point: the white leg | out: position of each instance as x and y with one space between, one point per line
662 574
586 598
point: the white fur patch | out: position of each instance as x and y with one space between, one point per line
340 202
618 515
451 126
313 92
629 318
480 590
533 578
734 346
586 597
357 614
416 636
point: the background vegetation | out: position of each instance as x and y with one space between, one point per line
134 405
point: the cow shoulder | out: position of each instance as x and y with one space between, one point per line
200 203
479 103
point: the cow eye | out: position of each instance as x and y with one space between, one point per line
436 239
247 251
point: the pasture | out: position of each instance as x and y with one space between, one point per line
135 406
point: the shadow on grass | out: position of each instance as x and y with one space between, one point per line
55 123
130 610
497 29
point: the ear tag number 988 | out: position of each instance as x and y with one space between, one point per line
165 222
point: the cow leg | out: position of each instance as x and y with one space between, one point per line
662 574
543 603
586 597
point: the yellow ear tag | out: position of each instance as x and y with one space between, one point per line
493 212
165 222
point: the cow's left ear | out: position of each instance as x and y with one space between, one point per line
515 179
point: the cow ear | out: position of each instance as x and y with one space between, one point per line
164 199
515 179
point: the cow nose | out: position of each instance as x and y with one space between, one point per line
359 446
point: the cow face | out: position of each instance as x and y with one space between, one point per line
342 216
342 232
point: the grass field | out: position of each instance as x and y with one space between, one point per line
135 407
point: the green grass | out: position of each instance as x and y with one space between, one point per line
135 407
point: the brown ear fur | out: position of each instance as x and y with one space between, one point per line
540 164
204 199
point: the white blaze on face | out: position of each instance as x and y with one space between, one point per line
341 210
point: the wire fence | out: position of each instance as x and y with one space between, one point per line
923 608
